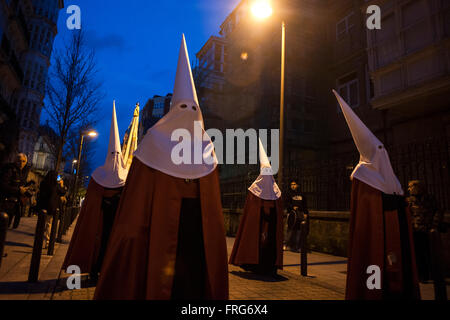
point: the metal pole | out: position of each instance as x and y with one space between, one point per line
283 65
3 228
37 247
51 245
304 231
74 191
62 225
437 273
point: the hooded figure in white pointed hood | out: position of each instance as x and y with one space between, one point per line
259 242
265 186
380 224
374 167
90 238
160 148
168 240
113 173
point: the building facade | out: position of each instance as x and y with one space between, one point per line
36 61
396 79
250 94
14 37
27 30
209 79
154 109
44 150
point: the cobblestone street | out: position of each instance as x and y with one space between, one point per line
325 281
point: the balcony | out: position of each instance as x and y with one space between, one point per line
408 58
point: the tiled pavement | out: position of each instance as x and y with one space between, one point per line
325 281
15 267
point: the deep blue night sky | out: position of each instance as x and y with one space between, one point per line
137 43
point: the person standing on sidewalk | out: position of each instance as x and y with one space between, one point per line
91 235
381 259
47 199
426 218
168 239
297 219
259 242
13 182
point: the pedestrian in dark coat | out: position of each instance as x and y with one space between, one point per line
13 186
298 218
48 200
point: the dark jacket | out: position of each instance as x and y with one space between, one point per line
295 199
48 197
12 178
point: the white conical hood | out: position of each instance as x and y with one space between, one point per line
158 151
184 88
113 173
374 167
265 186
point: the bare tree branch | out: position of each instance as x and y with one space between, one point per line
72 91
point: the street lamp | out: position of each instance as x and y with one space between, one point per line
91 134
262 9
73 163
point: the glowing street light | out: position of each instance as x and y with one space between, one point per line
92 134
261 9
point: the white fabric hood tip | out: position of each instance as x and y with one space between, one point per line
374 167
156 148
113 173
265 186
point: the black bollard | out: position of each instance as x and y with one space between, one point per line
69 211
51 245
61 228
437 272
304 254
3 228
304 231
37 247
67 218
74 214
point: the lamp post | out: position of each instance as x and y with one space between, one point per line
262 9
73 163
91 134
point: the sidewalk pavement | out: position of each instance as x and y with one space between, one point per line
325 280
16 265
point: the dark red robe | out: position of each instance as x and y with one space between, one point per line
86 239
381 235
140 261
247 246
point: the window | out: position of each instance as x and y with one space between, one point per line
348 89
344 26
417 25
158 109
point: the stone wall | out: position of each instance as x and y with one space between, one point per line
328 230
